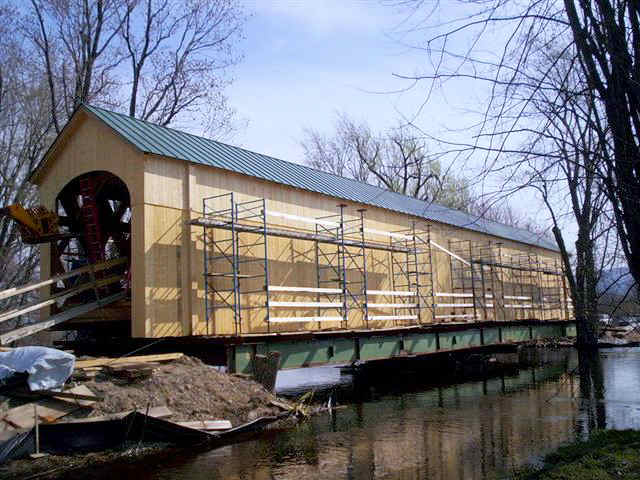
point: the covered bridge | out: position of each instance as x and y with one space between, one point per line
227 243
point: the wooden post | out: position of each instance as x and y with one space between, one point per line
35 423
265 369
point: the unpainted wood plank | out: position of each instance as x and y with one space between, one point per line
48 411
208 425
58 297
10 292
18 333
99 362
156 412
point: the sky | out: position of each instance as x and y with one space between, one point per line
306 60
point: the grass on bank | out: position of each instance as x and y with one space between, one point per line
607 455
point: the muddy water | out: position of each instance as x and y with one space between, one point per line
410 429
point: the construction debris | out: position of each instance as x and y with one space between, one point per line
103 361
207 425
48 368
169 398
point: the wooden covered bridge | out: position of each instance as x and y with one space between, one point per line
259 254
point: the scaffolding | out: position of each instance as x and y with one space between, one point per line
488 284
228 259
485 282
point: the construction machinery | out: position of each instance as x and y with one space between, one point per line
37 224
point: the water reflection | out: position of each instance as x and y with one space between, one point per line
473 430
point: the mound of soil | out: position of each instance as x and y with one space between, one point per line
191 389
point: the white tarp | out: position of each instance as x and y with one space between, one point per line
48 368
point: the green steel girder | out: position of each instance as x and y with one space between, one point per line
348 349
460 339
419 343
516 333
374 348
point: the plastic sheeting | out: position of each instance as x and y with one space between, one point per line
48 368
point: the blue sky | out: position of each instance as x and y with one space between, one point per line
306 60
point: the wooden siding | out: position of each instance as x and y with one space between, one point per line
167 252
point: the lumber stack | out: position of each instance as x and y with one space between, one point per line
54 406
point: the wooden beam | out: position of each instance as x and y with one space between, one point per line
454 305
58 297
207 425
296 235
306 304
392 293
454 295
320 221
78 271
279 288
304 319
457 257
392 305
70 395
392 317
102 361
156 412
59 318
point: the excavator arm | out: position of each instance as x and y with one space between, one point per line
37 224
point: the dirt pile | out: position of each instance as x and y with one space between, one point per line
191 389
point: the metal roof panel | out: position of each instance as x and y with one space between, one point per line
156 139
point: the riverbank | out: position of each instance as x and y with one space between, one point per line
607 455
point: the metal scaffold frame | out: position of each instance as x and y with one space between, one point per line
229 251
497 286
485 283
340 246
412 270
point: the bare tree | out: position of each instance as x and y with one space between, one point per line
25 131
179 53
541 127
75 41
396 160
607 39
573 168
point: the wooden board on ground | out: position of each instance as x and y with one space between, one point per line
48 411
131 371
155 412
80 395
207 425
102 361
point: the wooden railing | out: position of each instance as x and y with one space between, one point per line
93 284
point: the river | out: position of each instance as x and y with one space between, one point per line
404 426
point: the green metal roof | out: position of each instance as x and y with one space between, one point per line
168 142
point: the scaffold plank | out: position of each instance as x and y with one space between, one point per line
304 319
392 293
306 304
392 305
454 305
392 317
284 288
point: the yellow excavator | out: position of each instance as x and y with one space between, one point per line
37 224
